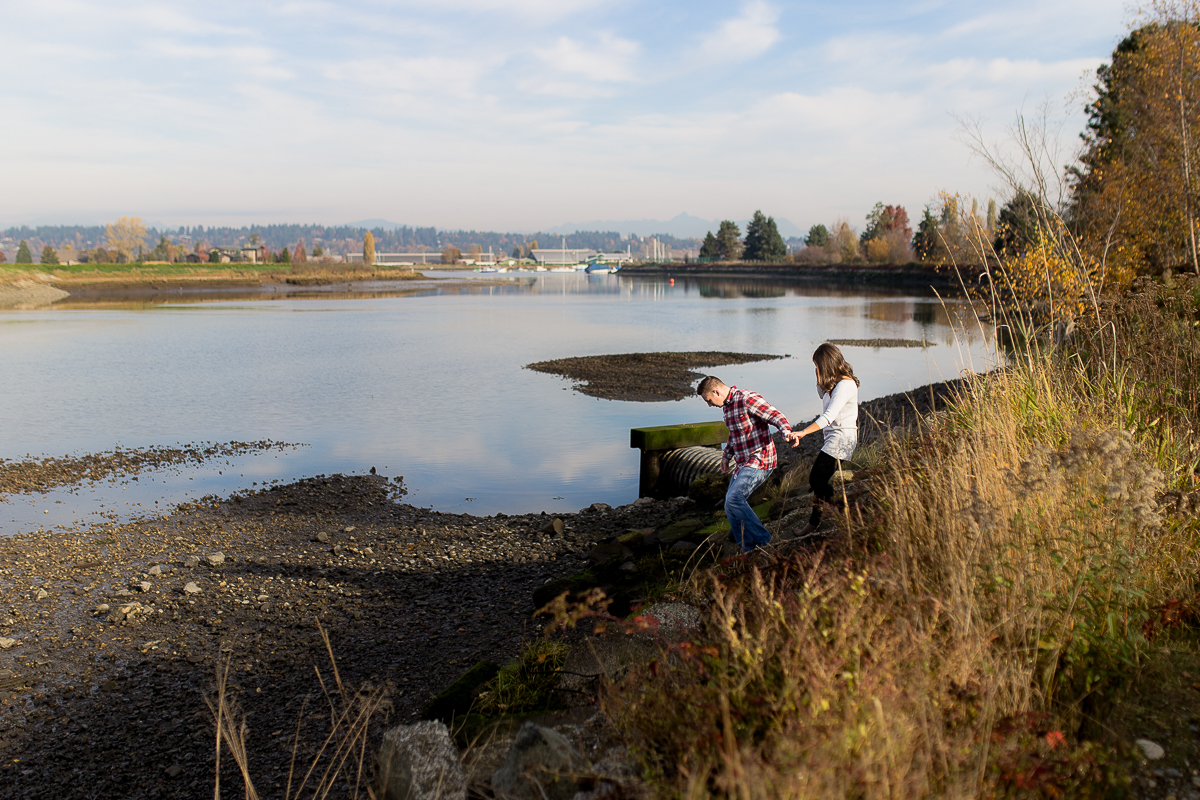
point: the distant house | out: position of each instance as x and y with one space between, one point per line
226 255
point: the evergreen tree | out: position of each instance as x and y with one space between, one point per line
23 254
1018 224
729 238
818 236
763 242
711 247
49 256
284 256
925 241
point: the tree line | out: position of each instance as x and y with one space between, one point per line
97 244
762 242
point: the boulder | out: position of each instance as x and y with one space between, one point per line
541 765
676 621
456 700
708 490
420 762
606 658
554 527
606 550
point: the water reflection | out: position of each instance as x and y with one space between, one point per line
426 379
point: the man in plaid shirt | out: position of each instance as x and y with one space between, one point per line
750 452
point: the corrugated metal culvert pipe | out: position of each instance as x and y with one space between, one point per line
681 467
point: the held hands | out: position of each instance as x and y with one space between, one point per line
794 437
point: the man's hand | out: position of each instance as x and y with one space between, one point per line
724 464
793 438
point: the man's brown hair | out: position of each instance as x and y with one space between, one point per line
708 384
831 367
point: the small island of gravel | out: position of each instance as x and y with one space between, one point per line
881 343
643 377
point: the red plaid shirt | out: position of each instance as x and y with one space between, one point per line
747 416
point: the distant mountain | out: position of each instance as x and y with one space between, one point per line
373 224
683 226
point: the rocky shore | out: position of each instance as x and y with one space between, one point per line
110 636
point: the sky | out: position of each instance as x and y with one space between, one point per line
519 115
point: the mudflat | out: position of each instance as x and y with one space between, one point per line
646 377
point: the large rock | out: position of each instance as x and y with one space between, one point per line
541 765
420 762
606 658
676 621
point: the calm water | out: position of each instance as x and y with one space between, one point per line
429 386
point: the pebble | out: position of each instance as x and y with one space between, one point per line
1151 750
191 588
216 559
348 529
321 537
122 592
629 566
42 594
7 643
144 586
191 561
155 570
102 608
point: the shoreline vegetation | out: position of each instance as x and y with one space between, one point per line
39 287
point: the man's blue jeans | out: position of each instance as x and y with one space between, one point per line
748 531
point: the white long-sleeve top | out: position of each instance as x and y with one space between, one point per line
839 419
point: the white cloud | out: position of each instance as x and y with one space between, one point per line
450 76
254 60
743 37
608 59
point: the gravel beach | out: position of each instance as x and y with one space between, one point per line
110 636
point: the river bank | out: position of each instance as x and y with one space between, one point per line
112 633
917 276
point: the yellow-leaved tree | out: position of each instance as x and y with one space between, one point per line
368 248
1136 191
127 236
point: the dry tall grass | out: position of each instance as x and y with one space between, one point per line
1008 568
341 764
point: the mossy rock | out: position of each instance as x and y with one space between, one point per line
708 490
575 584
456 699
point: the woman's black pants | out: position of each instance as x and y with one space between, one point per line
818 478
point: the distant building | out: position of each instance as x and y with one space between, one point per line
397 258
226 255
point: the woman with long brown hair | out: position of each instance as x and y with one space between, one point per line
837 387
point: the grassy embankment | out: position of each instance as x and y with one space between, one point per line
65 275
995 621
